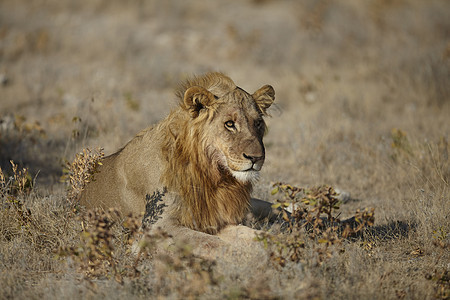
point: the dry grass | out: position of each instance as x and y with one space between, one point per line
363 99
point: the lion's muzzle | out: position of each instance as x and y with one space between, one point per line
256 162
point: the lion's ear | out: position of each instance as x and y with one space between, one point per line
196 98
264 98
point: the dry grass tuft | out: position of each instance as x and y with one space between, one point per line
94 253
13 192
80 172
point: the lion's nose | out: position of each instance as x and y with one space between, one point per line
253 159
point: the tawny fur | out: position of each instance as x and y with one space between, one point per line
186 154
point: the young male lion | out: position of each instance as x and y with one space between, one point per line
195 169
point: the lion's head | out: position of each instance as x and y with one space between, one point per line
232 123
214 149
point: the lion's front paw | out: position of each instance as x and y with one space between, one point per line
237 233
209 247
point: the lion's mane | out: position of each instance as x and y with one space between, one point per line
207 196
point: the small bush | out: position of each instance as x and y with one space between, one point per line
80 172
94 254
312 218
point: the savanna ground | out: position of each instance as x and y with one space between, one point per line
362 104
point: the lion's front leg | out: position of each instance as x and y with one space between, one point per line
167 235
241 234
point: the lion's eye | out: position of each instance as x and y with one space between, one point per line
229 124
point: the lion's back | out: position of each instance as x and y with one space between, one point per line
127 176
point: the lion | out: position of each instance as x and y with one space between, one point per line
195 169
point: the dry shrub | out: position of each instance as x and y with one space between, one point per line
17 185
14 190
94 254
104 251
80 172
306 222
